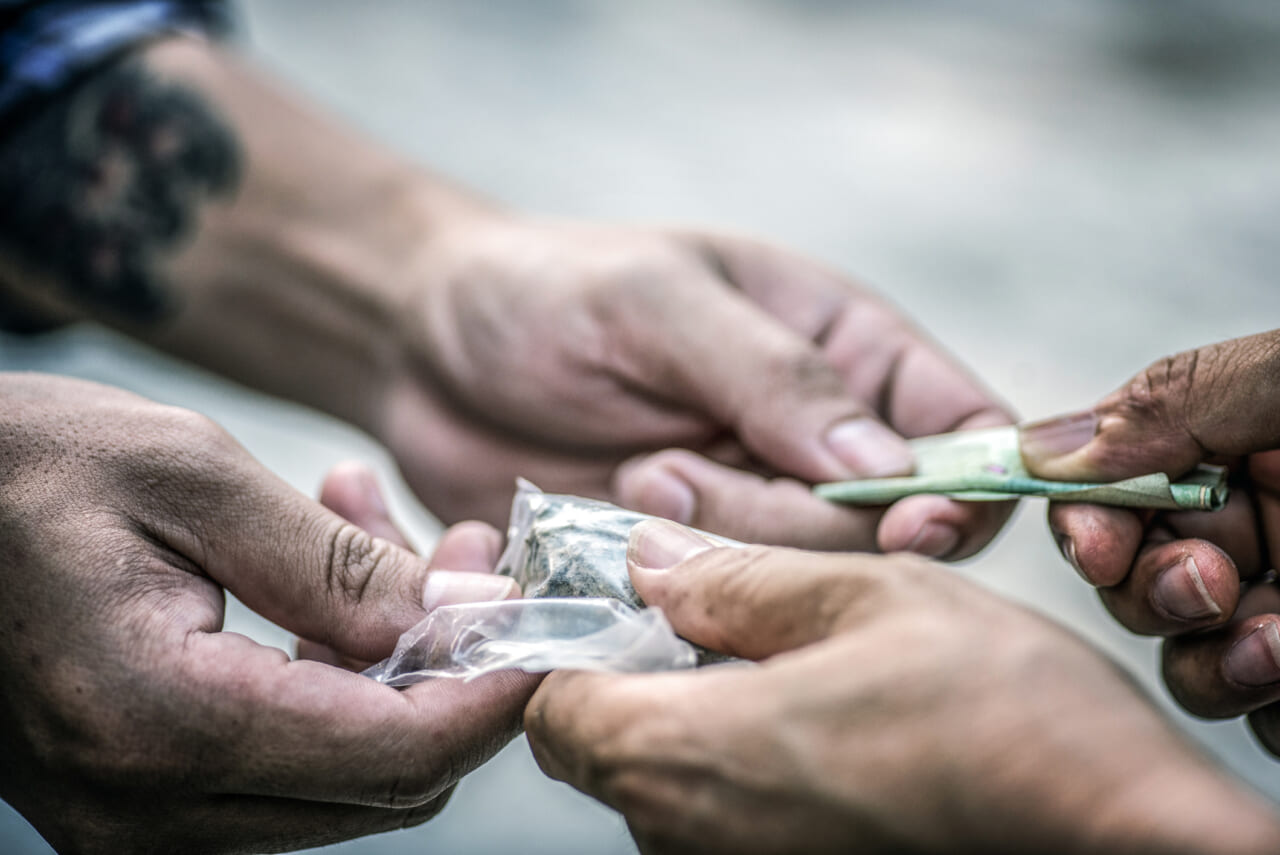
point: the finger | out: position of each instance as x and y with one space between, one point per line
351 491
468 547
1219 401
753 602
1227 672
720 353
691 489
575 712
685 487
594 731
306 730
1099 542
464 549
1264 471
914 385
938 527
1239 530
1175 587
299 564
1265 724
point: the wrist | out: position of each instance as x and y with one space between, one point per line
295 285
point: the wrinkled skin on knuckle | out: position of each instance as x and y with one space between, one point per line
355 559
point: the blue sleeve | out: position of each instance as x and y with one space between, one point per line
43 45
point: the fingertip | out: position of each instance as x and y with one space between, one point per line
941 528
352 492
450 588
934 540
646 485
468 547
659 545
1254 660
1195 592
1265 724
1099 543
869 448
350 489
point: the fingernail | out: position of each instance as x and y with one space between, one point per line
449 588
661 545
934 540
1067 546
665 495
870 449
1180 592
1255 659
1057 436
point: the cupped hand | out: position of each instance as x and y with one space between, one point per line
1206 580
897 708
704 378
129 721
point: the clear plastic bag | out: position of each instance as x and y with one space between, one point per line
569 555
472 639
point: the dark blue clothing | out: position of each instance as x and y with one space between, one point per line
44 45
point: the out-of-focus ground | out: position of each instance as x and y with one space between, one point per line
1060 191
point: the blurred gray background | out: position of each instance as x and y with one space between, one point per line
1061 191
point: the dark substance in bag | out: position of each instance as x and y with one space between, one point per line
568 546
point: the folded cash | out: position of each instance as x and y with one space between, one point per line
986 466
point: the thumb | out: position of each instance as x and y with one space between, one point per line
1218 401
753 601
320 576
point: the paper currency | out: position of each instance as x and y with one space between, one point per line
986 466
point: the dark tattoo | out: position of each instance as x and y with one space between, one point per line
100 182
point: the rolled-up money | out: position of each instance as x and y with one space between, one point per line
986 466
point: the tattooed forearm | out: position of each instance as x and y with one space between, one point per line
99 184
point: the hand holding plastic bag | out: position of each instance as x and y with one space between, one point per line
569 555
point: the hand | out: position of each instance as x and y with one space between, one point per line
896 708
1205 580
703 378
128 721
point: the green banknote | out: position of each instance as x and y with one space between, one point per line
986 466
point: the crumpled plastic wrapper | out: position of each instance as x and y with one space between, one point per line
569 555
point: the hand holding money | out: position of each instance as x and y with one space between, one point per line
1174 573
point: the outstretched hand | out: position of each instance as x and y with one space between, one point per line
703 378
130 721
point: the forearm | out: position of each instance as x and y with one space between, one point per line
288 269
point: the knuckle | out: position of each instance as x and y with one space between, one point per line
636 283
1167 390
193 428
355 560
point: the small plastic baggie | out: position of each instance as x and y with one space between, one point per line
569 556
